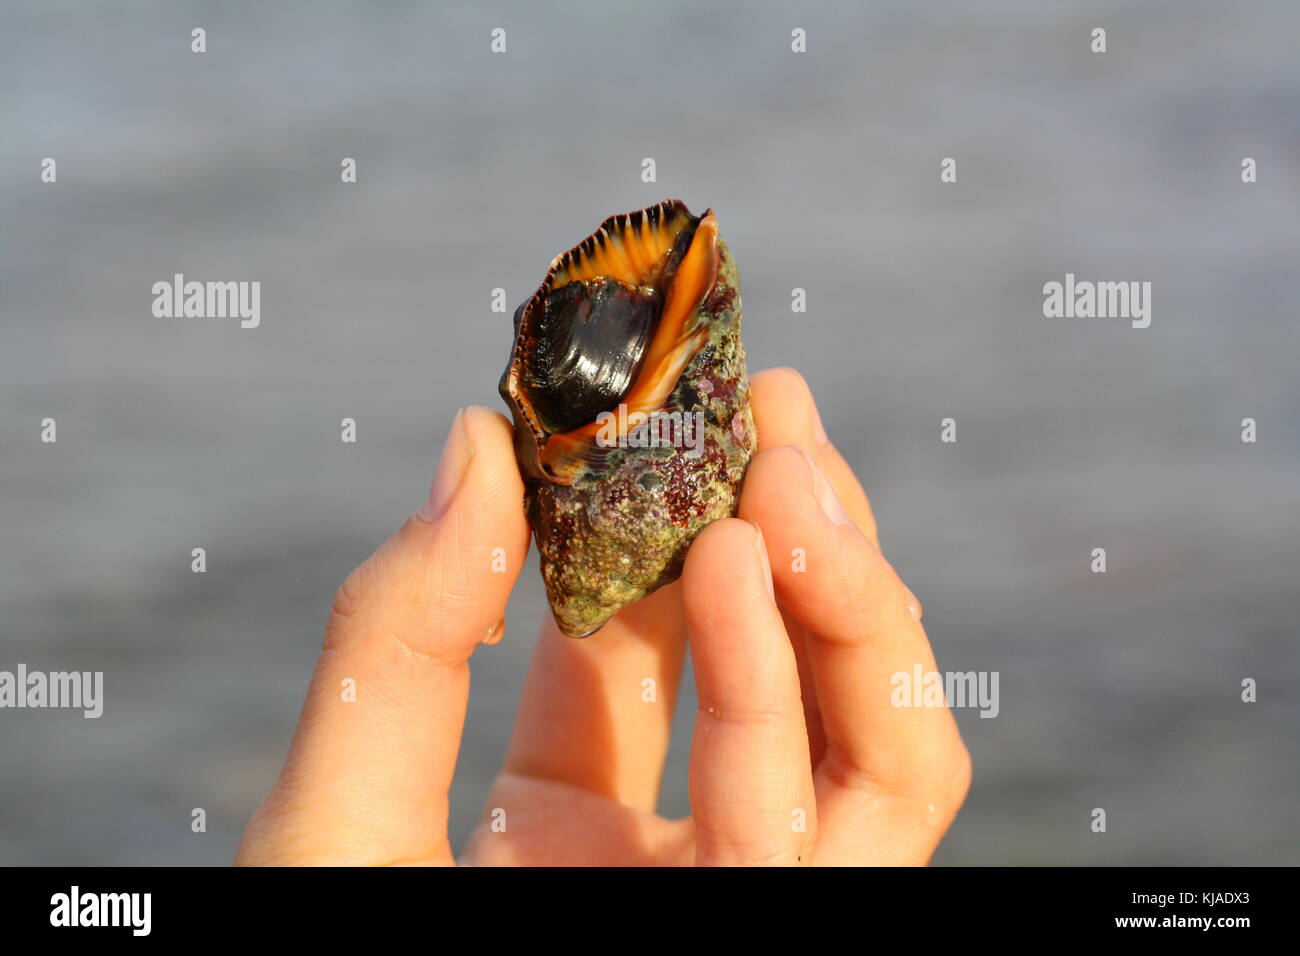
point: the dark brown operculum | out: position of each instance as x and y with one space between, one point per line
587 346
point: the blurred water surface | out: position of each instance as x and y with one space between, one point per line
1118 690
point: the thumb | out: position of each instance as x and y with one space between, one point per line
370 767
440 584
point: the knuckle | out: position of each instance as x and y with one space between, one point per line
352 599
719 846
759 718
960 775
857 601
936 784
845 773
947 781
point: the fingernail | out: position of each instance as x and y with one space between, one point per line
818 429
765 566
821 490
495 633
456 454
914 605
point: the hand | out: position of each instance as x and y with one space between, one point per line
798 755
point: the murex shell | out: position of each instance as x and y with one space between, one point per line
631 407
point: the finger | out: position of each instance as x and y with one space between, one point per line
750 777
864 629
370 766
786 414
597 713
812 717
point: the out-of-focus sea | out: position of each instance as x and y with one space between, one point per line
1118 690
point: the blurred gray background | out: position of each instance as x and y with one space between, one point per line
1118 690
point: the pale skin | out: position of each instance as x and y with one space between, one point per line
798 756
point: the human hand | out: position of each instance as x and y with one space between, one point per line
798 755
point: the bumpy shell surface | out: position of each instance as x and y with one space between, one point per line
646 312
